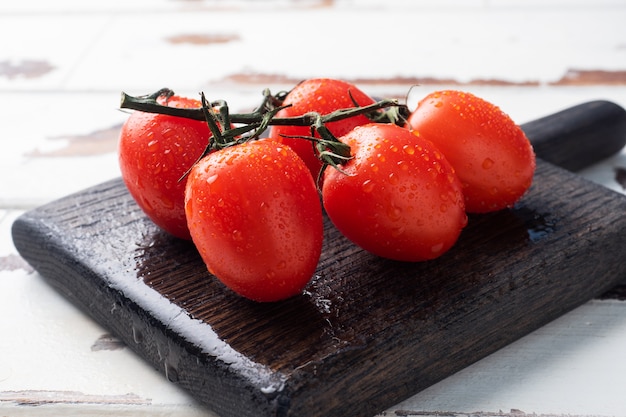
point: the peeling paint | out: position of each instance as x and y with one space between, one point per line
98 142
14 262
202 38
26 69
571 77
592 77
43 397
260 78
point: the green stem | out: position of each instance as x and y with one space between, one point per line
149 104
216 114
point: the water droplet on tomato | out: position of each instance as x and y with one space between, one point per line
397 232
211 179
437 248
438 104
409 150
394 213
167 202
168 132
281 150
237 235
367 186
393 179
153 146
231 160
487 163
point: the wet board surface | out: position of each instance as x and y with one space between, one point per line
366 334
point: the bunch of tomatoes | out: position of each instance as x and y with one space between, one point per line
399 184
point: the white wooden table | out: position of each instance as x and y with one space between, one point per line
63 65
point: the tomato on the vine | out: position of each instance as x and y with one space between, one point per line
323 96
398 197
255 216
155 151
490 153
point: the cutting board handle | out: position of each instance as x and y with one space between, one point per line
579 136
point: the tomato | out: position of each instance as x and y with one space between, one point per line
155 150
490 153
323 96
398 197
255 216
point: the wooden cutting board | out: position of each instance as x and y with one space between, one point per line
368 332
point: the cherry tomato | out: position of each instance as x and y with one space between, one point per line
490 153
255 216
154 152
323 96
398 197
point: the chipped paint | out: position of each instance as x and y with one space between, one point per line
107 342
98 142
592 77
260 78
13 262
43 397
571 77
202 38
26 68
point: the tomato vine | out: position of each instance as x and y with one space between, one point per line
230 129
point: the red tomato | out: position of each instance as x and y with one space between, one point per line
255 216
155 150
490 153
399 198
322 96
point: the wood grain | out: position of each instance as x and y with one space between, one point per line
366 334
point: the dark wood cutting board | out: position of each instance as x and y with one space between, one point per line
366 334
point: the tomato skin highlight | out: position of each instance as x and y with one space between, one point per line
490 153
323 96
154 151
400 198
255 216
